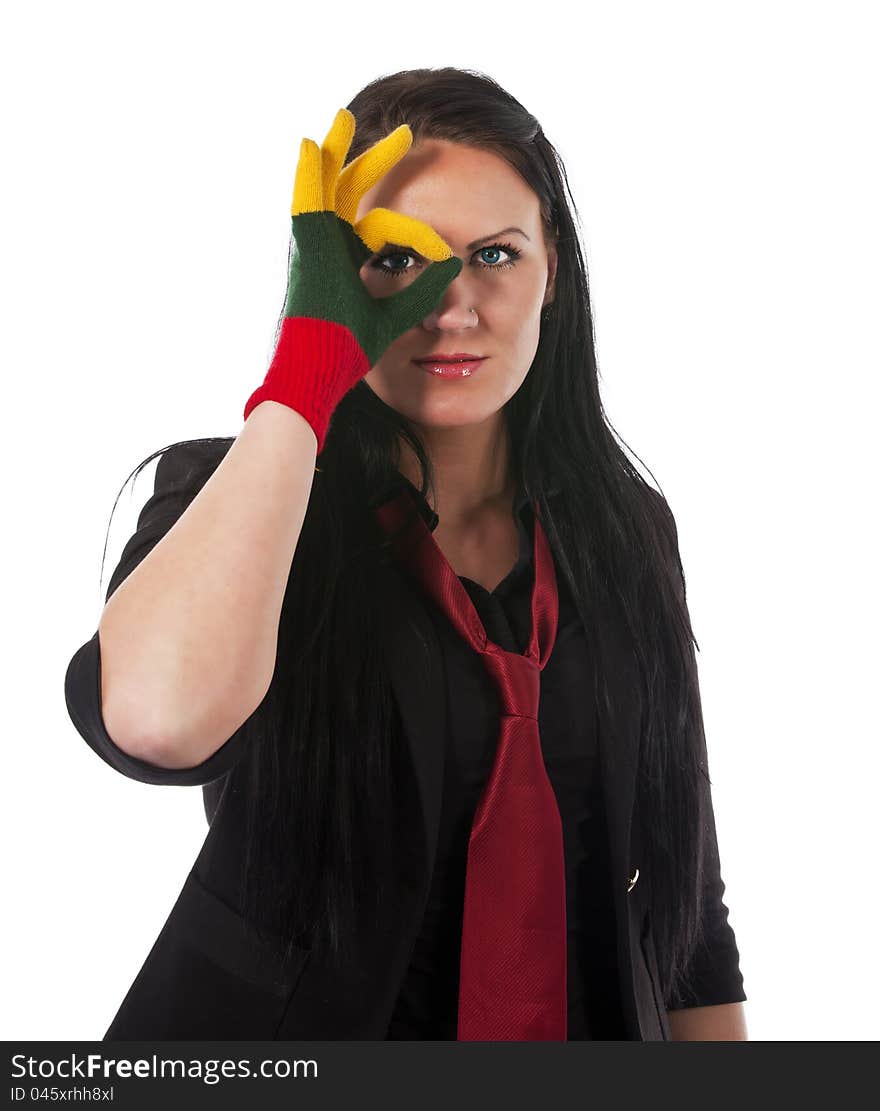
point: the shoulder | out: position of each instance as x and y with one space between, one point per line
190 462
665 532
663 519
661 506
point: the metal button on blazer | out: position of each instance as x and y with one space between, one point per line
632 881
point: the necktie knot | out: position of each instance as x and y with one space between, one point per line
518 679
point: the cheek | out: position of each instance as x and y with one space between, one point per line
517 301
515 321
520 309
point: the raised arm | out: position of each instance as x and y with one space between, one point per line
188 639
187 642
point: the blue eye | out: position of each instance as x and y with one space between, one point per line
378 263
494 249
391 272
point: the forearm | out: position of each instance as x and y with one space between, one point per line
724 1022
188 640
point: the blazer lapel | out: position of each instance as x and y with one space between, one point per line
418 680
619 721
619 734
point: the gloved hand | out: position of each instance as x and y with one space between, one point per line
333 330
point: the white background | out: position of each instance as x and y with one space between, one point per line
724 161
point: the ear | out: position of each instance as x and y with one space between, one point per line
552 261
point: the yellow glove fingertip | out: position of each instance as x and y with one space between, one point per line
400 139
333 151
307 184
424 239
341 131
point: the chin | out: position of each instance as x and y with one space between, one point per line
438 404
443 416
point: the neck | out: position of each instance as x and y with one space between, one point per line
471 466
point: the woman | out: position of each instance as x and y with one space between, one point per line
284 648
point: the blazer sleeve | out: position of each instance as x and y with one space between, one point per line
713 974
181 472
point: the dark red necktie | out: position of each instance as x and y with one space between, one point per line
513 946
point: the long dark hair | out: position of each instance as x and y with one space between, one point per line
320 774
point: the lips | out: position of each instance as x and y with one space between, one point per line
455 357
457 365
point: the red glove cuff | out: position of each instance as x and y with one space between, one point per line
315 364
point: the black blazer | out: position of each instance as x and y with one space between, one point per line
209 976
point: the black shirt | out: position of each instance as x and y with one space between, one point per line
427 1004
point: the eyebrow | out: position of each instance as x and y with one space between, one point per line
476 243
494 235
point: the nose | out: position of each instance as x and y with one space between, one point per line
453 313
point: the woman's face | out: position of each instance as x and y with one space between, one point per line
468 196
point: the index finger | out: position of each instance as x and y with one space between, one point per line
361 174
381 226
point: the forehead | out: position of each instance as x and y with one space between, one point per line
456 186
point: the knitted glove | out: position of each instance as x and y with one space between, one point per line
333 330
